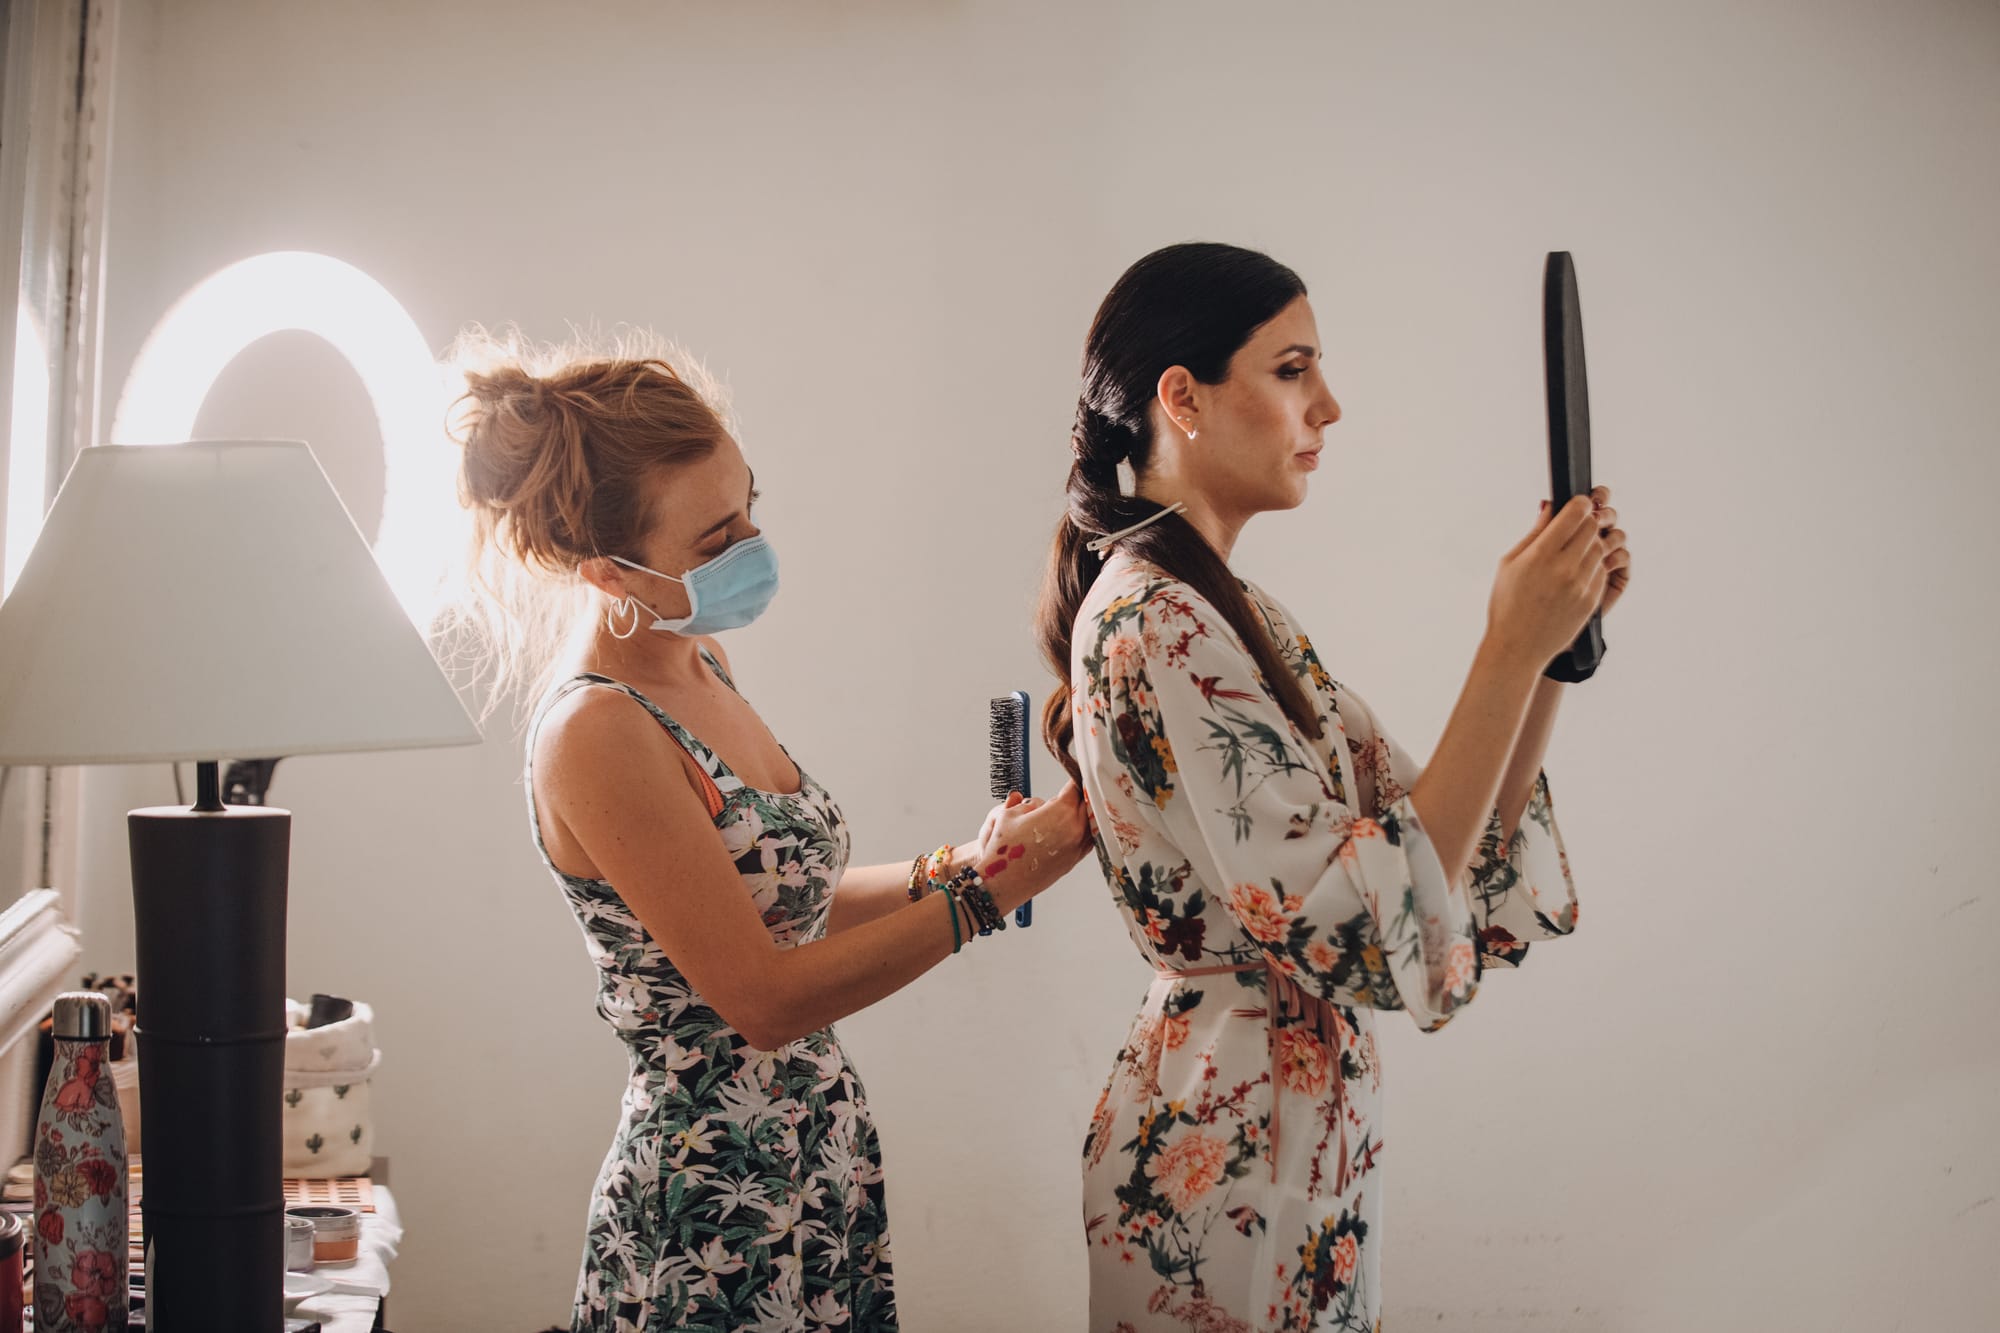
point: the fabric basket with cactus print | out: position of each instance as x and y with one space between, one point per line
328 1128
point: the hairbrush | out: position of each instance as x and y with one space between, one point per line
1007 762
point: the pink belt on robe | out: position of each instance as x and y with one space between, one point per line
1283 997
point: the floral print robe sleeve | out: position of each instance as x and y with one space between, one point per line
1519 893
1347 898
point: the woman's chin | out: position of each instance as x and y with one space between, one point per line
1291 495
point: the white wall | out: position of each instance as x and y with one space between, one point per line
1756 1091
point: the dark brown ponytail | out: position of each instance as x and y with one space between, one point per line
1193 306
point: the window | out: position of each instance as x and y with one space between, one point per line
53 143
52 150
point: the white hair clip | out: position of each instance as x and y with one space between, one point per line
1101 543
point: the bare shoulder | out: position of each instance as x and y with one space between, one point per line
617 796
598 727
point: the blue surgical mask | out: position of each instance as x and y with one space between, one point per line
727 592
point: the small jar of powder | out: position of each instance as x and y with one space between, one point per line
298 1244
336 1231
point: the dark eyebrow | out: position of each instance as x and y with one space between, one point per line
1312 352
732 518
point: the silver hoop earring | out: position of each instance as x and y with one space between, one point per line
616 609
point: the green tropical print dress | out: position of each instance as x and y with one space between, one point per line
1282 889
743 1188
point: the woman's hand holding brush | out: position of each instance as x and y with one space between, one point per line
1028 844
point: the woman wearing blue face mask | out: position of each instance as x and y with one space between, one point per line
707 870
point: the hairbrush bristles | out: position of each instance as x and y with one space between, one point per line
1007 761
1007 745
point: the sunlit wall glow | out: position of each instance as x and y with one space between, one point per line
27 447
312 293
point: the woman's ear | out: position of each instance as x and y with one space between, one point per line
604 575
1176 394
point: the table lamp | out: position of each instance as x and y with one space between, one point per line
199 602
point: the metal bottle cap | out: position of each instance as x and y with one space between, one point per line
82 1015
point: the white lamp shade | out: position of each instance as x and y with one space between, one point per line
206 601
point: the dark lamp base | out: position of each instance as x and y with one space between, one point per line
208 893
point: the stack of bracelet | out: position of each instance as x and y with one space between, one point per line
931 874
970 889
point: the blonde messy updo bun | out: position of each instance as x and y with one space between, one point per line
559 444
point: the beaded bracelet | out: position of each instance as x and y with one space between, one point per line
988 911
918 880
937 871
977 897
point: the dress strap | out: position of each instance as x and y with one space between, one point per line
715 665
1283 998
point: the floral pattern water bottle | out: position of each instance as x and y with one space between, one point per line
81 1223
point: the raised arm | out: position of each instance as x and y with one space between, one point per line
622 791
1531 746
1545 590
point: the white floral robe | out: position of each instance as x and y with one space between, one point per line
1232 1172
